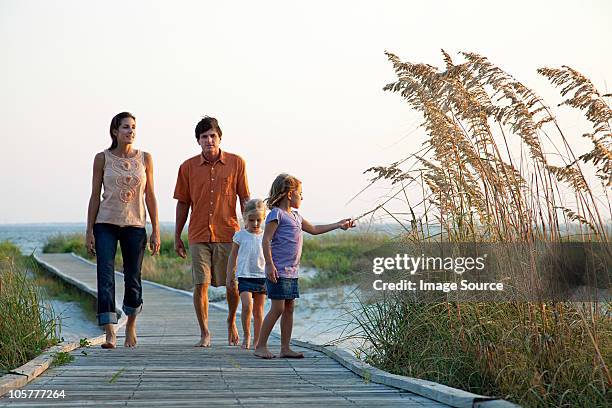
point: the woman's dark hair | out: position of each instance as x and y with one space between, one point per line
115 123
205 125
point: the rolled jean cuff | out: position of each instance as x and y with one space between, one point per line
129 311
107 318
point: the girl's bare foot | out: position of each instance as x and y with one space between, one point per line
290 354
232 334
111 337
263 352
246 342
204 340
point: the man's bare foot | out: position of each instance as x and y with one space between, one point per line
204 340
290 354
111 337
263 352
232 334
130 336
246 342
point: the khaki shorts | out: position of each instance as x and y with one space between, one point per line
209 263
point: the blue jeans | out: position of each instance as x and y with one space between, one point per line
133 241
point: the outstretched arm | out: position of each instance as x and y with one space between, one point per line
322 229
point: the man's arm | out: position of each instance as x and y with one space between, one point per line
242 184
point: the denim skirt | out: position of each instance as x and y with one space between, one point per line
253 285
284 288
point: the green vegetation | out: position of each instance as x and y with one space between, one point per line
337 256
62 358
497 167
340 257
28 325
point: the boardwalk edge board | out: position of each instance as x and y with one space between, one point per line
437 392
21 376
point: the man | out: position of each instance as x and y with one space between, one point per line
209 183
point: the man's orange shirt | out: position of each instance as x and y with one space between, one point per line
211 189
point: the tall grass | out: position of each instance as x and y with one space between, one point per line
27 324
497 167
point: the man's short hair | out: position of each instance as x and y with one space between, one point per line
205 124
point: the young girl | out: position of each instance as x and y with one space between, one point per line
282 248
247 251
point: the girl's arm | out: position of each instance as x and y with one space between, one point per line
151 202
271 272
231 266
94 201
322 229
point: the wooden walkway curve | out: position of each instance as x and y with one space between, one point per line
166 370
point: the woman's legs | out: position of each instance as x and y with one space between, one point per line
245 316
286 329
133 241
106 236
276 310
259 299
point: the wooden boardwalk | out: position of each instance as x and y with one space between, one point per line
166 370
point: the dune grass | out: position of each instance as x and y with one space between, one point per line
28 325
497 167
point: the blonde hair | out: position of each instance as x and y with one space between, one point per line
254 205
283 183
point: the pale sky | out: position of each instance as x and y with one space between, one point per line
296 86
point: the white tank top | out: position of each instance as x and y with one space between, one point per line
124 185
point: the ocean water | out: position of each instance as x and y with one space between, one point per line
32 237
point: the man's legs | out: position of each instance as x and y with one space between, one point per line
200 303
233 298
201 258
220 254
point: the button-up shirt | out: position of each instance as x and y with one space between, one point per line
211 189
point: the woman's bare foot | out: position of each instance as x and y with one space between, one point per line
288 353
246 342
263 352
204 340
130 335
111 337
232 334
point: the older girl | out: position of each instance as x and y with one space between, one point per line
127 177
282 248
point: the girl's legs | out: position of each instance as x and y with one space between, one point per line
259 299
286 329
245 316
133 241
106 236
276 310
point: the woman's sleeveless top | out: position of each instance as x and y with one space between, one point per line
124 185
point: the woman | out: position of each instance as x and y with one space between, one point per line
127 176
